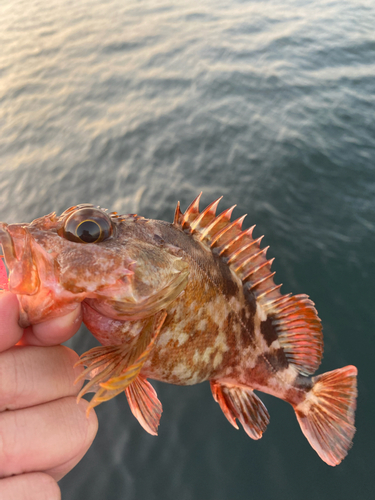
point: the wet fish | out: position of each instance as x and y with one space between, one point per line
183 303
3 276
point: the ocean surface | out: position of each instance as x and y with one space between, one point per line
134 105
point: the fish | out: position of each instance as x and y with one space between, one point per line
3 276
184 302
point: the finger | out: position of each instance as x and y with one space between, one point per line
34 375
53 331
44 437
10 332
61 470
33 486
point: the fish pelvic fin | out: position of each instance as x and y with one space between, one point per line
144 404
326 415
111 369
242 404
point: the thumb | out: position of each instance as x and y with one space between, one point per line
53 331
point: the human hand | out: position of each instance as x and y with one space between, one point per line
44 433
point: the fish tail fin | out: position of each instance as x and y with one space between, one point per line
326 415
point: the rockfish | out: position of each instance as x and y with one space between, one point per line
182 302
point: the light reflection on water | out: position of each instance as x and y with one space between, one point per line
134 105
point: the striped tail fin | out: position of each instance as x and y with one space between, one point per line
326 415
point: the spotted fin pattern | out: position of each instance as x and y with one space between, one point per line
244 405
293 319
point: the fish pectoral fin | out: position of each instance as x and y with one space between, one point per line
111 369
242 404
144 404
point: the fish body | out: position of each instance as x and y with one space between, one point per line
183 303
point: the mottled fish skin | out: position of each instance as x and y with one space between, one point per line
183 303
212 327
205 323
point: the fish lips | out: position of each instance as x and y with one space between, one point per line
17 248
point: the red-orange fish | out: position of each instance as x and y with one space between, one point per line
3 276
182 303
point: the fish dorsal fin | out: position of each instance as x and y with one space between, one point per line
242 404
297 326
292 320
236 247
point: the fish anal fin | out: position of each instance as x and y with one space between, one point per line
242 404
326 415
144 404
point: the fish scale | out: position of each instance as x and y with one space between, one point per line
183 302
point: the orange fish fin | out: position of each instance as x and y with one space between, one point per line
110 369
242 404
237 248
293 321
178 215
326 415
191 212
144 404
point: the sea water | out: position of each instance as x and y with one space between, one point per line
134 105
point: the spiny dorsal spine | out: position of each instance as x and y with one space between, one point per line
237 248
294 318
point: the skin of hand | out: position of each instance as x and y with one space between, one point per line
44 433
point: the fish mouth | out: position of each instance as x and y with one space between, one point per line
16 243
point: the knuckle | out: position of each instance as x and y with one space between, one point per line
7 443
14 378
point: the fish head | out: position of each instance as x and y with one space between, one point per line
87 254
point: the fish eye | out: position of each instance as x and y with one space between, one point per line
87 225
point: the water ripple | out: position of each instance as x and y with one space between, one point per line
134 105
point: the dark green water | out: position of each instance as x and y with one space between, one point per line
133 105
